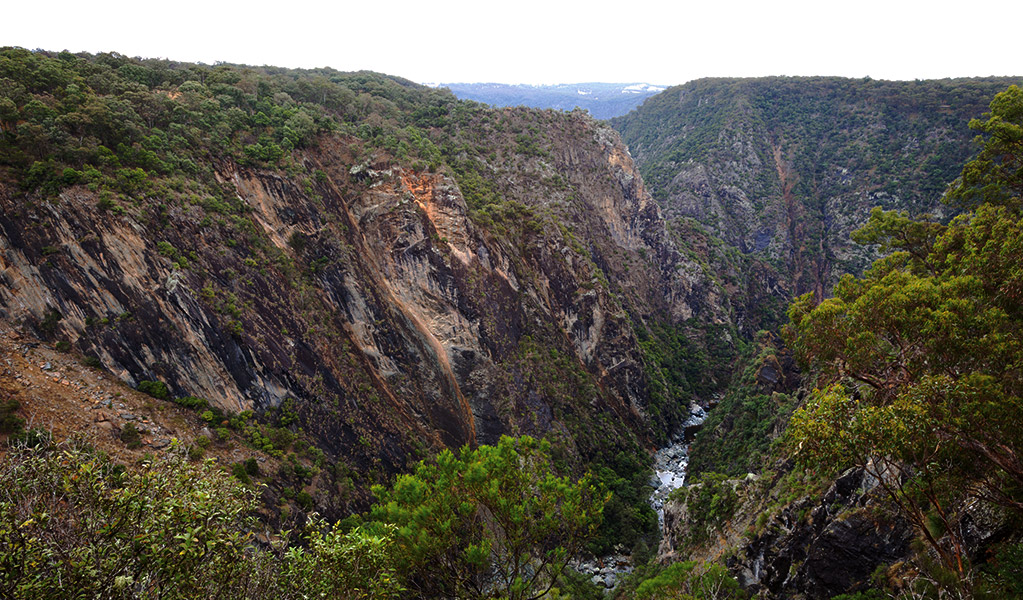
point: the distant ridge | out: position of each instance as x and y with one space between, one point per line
602 100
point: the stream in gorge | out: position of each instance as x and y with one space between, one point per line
670 466
671 462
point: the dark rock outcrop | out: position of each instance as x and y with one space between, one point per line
812 548
373 296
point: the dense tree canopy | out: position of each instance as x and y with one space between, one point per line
494 522
920 359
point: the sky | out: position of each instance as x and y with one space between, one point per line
540 42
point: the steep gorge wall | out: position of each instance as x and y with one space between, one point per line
371 296
783 169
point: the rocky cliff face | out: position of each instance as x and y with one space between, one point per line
368 293
817 547
783 169
790 535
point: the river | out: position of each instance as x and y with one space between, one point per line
670 465
672 461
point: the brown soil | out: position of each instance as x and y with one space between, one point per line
72 401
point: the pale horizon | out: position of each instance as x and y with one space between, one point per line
544 43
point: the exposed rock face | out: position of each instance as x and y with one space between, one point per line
833 550
814 548
371 296
783 169
817 546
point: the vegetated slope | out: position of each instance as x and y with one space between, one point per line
780 172
602 100
900 472
359 260
783 169
763 180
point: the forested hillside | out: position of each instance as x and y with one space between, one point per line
902 453
350 270
783 169
347 336
766 179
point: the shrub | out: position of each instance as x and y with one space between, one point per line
49 323
711 499
9 421
691 580
239 472
192 402
130 436
92 361
156 389
30 438
73 525
535 521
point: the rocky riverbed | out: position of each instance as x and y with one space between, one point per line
672 461
670 464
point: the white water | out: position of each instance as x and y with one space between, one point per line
671 464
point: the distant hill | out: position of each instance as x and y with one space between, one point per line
603 100
786 167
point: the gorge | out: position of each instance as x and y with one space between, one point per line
329 277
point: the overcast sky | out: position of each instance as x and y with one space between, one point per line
546 41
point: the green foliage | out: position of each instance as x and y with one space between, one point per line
676 368
50 320
812 142
691 580
489 521
1010 569
240 473
356 564
576 586
920 360
867 595
92 362
196 452
73 526
156 389
895 230
100 123
628 518
711 500
304 499
995 176
167 249
34 437
738 434
193 402
10 422
130 436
